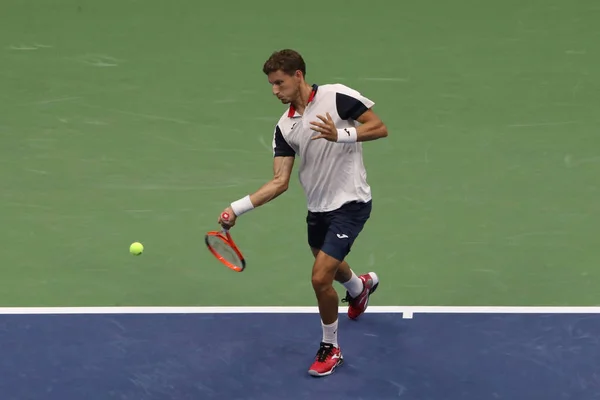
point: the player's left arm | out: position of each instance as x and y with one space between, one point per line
351 107
371 128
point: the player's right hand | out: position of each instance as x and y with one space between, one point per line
227 218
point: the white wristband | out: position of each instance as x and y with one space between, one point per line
347 135
242 206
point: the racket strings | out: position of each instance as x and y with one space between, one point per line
225 251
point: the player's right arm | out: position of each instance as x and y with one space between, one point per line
283 164
282 171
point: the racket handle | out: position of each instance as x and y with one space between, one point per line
224 217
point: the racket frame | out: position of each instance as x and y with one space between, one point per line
225 236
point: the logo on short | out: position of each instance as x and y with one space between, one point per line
342 236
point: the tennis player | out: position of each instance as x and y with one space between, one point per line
324 126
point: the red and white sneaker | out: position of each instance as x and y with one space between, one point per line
327 359
358 304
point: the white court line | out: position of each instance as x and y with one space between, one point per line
408 310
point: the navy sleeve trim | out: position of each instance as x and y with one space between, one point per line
349 107
281 148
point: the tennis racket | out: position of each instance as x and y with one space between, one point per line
222 246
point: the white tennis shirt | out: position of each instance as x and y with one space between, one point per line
330 173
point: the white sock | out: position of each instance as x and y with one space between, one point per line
330 333
354 286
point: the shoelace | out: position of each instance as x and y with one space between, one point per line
349 298
324 352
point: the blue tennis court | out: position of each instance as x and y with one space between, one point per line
131 354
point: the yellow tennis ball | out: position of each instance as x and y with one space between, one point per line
136 248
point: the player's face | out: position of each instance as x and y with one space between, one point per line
285 87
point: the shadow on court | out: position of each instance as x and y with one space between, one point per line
266 356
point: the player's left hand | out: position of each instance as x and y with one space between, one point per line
327 128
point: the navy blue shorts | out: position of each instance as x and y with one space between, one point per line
334 232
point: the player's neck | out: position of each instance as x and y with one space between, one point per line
302 101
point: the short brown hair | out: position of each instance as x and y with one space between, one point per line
287 60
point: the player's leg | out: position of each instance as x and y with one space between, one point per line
346 276
324 269
323 273
346 225
329 355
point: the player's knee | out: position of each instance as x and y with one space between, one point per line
321 281
324 270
